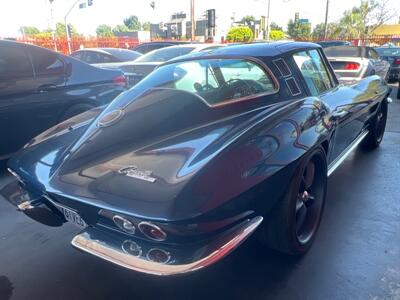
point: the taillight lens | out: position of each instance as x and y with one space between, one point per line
152 231
120 80
351 66
397 61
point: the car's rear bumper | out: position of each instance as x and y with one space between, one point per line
131 251
135 254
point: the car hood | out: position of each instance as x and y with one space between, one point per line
141 154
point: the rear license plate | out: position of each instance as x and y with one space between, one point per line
73 217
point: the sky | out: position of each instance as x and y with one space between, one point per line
16 13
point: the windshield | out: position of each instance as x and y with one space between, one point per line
214 80
165 54
388 51
343 51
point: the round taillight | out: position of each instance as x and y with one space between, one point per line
131 248
152 231
124 224
158 256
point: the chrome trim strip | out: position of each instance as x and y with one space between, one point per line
100 249
338 161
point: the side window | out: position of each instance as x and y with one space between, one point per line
78 55
314 71
92 57
14 63
105 58
373 54
46 63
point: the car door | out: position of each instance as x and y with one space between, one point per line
16 84
39 109
343 113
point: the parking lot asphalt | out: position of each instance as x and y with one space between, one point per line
356 254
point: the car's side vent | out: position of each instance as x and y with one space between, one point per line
282 67
293 86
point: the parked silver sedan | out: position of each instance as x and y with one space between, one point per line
352 63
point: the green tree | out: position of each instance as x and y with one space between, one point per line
120 28
146 26
60 30
104 30
29 30
240 34
276 35
362 20
297 30
248 20
275 26
132 23
334 31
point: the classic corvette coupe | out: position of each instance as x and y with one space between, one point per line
205 151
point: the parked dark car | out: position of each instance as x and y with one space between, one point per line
392 56
144 65
179 170
326 44
110 58
352 63
39 88
150 46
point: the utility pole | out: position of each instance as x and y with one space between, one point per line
193 27
326 20
267 20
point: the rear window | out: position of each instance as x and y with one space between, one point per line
388 51
165 54
46 62
217 81
343 51
125 55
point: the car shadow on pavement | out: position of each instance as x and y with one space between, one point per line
6 288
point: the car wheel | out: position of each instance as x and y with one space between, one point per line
75 110
377 127
293 223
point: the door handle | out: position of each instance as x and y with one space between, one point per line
46 88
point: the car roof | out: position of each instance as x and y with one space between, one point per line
269 49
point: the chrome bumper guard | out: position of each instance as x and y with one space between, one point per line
113 248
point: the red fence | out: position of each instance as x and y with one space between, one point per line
61 45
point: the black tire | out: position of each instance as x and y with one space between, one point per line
376 128
75 110
398 91
281 231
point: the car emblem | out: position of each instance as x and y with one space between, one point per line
134 172
110 118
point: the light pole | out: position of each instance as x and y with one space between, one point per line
267 21
66 26
326 20
192 20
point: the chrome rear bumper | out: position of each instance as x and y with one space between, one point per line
183 259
